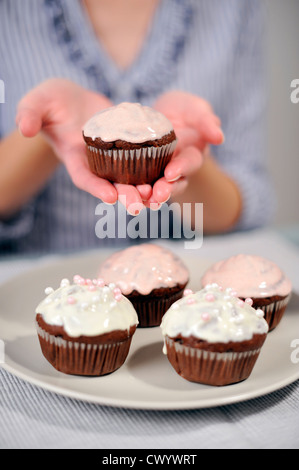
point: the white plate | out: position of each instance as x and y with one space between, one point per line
146 380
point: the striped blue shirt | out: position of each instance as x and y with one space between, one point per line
211 48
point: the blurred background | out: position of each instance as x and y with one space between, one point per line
283 130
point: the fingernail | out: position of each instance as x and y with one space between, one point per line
135 209
173 180
155 206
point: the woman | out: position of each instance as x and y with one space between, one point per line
63 60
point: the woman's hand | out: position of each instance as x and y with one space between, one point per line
59 109
196 127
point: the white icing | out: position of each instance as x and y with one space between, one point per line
130 122
144 268
87 311
213 315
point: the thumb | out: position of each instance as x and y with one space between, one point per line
32 111
29 122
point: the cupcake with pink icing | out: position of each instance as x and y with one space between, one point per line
129 143
258 281
212 337
150 276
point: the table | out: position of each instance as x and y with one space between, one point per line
34 418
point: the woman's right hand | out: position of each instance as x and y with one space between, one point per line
59 109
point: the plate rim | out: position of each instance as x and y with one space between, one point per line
151 406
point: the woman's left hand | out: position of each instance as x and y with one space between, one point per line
196 127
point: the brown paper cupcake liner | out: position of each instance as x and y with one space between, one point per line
208 367
136 166
75 358
151 309
273 311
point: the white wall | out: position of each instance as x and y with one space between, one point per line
283 142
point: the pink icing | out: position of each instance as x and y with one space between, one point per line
249 276
144 268
130 122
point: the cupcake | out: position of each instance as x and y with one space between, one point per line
85 328
150 276
256 279
212 337
129 144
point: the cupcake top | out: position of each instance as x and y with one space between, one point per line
87 308
250 276
130 122
143 268
214 315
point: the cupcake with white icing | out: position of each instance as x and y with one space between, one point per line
212 337
150 276
85 328
255 278
129 143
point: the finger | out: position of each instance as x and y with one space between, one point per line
186 137
197 114
130 197
152 204
188 161
163 189
161 192
208 127
31 112
28 122
85 180
145 191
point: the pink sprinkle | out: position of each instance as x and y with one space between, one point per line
92 288
206 317
241 303
190 301
79 280
233 293
220 288
117 291
71 300
88 282
118 297
210 298
95 282
188 292
249 301
101 283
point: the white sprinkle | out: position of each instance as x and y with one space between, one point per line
260 313
49 290
64 283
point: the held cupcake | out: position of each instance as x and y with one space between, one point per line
212 337
256 278
129 144
85 328
150 276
